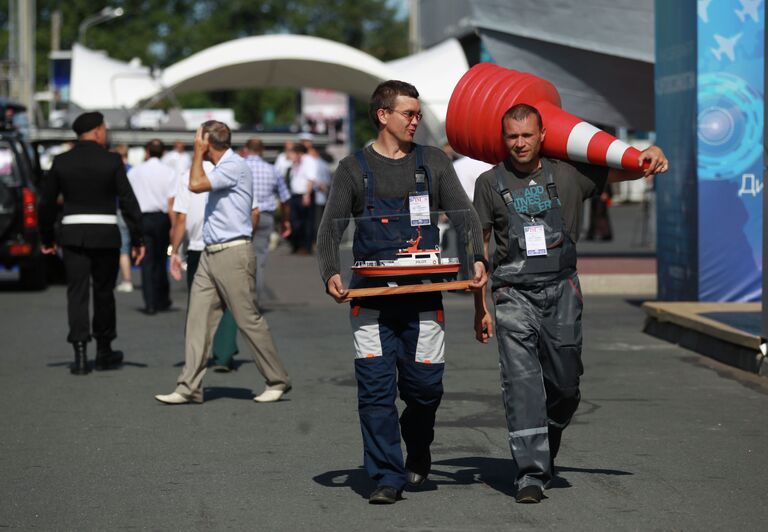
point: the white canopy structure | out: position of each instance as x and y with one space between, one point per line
294 61
100 82
434 72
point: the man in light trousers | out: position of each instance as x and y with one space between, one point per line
226 275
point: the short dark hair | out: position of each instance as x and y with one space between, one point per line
155 148
254 145
219 135
520 112
384 97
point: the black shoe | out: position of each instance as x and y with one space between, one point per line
80 365
106 358
555 435
384 495
529 495
149 311
417 469
165 306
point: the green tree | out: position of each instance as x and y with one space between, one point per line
4 26
163 32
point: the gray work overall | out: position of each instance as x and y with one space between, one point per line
538 326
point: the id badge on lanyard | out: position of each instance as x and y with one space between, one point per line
535 240
418 202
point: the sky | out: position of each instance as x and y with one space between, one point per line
402 7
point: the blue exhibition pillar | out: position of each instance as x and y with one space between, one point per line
709 82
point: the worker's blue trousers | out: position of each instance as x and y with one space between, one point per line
397 350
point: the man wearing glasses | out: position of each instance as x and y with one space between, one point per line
399 340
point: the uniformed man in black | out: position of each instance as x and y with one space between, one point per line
92 181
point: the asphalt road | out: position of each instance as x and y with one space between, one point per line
663 440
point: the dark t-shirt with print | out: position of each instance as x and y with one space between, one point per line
575 182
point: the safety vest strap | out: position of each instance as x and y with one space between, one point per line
515 218
369 185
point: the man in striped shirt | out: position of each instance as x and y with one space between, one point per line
268 186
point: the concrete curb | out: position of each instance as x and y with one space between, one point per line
687 324
619 284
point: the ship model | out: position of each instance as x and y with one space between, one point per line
409 261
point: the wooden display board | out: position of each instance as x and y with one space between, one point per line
409 289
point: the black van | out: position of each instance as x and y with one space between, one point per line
19 175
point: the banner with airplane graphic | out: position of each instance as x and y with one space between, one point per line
730 129
675 95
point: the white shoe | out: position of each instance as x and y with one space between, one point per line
125 286
269 396
274 241
174 398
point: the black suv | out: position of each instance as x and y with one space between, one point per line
19 236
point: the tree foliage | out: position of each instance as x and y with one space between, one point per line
162 32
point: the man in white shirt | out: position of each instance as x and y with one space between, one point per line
154 185
178 158
303 176
322 184
284 160
468 169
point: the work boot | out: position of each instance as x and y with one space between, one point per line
555 436
417 468
384 495
80 366
530 494
105 357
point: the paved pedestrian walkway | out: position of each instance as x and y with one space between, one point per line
663 440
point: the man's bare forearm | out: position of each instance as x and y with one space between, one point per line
480 295
177 231
285 211
198 181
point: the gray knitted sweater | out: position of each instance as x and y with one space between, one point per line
394 178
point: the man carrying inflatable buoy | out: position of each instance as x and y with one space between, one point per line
532 206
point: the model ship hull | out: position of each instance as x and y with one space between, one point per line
409 261
395 270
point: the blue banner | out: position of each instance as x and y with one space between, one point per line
676 198
730 111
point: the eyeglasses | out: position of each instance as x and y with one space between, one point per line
410 115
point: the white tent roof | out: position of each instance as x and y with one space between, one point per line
296 61
100 82
434 72
277 61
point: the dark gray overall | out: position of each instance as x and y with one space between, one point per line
538 326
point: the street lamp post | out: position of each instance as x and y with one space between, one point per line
108 13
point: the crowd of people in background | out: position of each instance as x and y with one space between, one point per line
292 193
140 214
300 177
304 171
